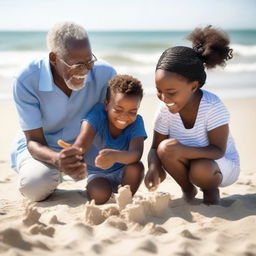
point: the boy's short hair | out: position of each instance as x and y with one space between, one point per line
124 84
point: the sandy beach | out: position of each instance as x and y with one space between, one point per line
158 223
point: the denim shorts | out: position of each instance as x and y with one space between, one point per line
115 178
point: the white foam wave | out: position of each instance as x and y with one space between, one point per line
12 61
244 50
241 67
125 62
128 57
135 70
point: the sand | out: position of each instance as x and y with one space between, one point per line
150 223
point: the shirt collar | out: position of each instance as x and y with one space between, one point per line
46 80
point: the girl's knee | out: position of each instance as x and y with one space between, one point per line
99 190
205 173
166 148
162 148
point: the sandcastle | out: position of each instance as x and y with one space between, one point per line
131 209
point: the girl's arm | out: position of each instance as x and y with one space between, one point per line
155 169
85 138
153 160
216 149
107 157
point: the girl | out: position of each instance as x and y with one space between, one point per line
191 139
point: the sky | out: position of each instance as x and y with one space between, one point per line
128 14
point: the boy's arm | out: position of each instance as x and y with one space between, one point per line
133 154
107 157
85 138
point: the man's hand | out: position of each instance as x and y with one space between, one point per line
106 158
70 161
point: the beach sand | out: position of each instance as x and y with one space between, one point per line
158 223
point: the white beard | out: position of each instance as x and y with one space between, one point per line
76 87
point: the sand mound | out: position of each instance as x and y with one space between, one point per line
132 210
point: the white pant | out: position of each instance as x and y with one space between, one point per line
37 180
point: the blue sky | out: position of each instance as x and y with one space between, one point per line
128 14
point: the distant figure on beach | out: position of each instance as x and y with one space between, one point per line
112 139
191 139
52 96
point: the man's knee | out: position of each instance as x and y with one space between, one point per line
39 187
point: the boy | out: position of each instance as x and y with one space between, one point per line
112 137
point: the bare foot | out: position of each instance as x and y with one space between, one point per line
189 196
211 196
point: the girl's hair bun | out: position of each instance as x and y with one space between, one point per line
211 45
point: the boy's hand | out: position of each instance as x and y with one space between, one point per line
105 159
152 180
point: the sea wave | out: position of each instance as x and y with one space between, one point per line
244 50
130 58
241 67
127 62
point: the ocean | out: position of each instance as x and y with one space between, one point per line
136 53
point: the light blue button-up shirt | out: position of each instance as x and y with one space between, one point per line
40 103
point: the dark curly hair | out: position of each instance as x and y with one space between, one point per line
210 48
124 84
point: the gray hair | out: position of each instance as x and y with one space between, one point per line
58 36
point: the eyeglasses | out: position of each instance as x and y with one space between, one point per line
81 66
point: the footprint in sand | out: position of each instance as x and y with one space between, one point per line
154 229
41 229
116 222
14 238
148 246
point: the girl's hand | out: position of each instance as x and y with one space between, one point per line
175 149
152 180
105 159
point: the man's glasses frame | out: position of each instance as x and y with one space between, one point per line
81 66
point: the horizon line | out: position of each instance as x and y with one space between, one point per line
125 30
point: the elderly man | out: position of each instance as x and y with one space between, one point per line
52 96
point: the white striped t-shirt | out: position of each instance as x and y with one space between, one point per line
211 114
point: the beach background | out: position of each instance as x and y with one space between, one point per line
158 223
136 53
